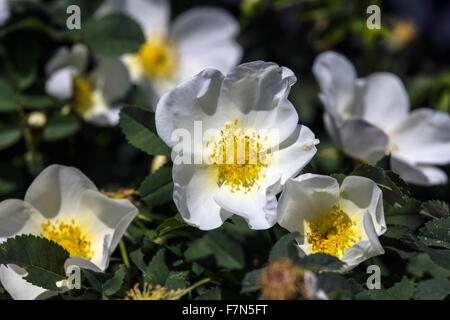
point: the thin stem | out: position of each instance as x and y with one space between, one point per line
123 252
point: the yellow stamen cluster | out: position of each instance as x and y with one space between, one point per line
332 233
82 98
152 293
69 236
158 58
241 167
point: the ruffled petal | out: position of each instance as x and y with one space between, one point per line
423 138
12 280
418 174
384 100
303 198
336 76
76 57
60 83
58 189
194 187
361 139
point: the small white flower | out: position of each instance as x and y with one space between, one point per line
64 206
369 118
199 38
342 221
92 94
246 110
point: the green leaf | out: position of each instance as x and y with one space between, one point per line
157 271
439 256
139 128
421 264
391 192
60 127
411 222
176 280
113 35
138 259
37 101
436 233
42 259
435 209
285 247
336 286
8 98
21 57
228 253
114 284
157 188
169 225
403 290
433 289
250 281
210 294
9 135
320 261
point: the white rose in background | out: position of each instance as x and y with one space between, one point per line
64 206
342 221
197 39
251 98
91 94
369 118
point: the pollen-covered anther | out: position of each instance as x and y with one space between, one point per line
332 233
69 236
240 157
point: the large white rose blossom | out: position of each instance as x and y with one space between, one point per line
92 95
254 143
342 221
64 206
369 118
197 39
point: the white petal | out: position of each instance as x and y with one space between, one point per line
294 153
152 15
76 57
303 198
424 137
384 102
204 39
417 174
112 79
363 194
102 114
194 187
257 207
331 126
258 91
364 249
12 280
58 189
14 214
83 264
336 76
360 139
4 11
193 100
107 217
60 83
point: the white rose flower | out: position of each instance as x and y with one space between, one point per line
199 38
341 221
254 143
91 94
369 118
64 206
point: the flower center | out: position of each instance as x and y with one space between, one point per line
82 99
332 233
158 58
239 157
69 236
